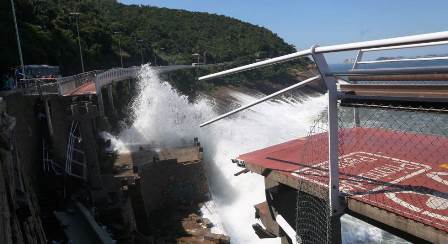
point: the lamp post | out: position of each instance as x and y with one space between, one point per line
119 46
197 55
155 54
141 49
162 49
19 47
76 14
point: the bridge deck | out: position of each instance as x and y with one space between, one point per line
399 179
88 88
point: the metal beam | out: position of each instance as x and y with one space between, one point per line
356 120
333 140
393 71
271 61
410 77
300 84
402 60
427 44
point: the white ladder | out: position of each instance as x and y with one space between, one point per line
75 163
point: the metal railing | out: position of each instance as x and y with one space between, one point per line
330 79
38 86
70 83
75 156
116 74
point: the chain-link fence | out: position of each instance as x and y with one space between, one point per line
393 158
396 160
313 220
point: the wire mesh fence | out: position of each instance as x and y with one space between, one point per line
396 160
313 216
389 158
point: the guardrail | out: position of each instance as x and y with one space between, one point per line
38 86
116 74
69 83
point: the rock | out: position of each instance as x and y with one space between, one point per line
207 223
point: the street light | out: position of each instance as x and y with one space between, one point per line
19 47
141 49
155 54
197 55
76 14
119 46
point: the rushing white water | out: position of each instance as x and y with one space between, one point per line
164 117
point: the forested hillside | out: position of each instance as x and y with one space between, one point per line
48 33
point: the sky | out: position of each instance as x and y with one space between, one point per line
325 22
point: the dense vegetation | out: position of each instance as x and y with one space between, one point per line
148 34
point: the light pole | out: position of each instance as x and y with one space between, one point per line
76 14
197 55
161 49
19 47
141 49
119 46
155 54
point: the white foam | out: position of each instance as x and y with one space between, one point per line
162 115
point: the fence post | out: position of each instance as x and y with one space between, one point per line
330 82
356 120
99 95
111 97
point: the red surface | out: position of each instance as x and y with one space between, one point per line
404 173
87 88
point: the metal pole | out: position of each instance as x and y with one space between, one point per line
111 98
356 120
333 150
278 93
19 46
141 54
155 56
121 53
48 114
99 96
76 14
119 46
141 50
289 231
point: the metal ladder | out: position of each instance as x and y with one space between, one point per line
48 163
75 163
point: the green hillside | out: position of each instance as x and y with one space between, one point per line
48 33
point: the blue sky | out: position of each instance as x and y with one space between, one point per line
304 23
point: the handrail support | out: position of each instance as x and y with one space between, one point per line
336 206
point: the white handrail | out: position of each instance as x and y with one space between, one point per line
297 85
402 60
406 40
267 62
426 44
